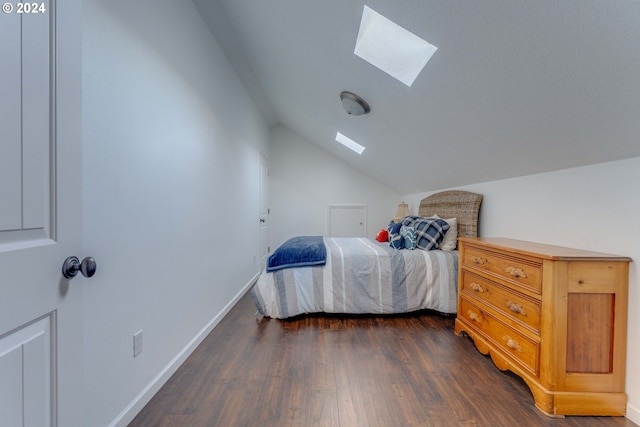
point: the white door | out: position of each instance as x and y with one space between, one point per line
40 213
264 211
347 220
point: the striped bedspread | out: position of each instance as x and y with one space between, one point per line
362 276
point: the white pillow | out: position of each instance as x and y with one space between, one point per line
450 240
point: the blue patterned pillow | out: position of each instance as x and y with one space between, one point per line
396 241
409 220
390 226
409 235
430 232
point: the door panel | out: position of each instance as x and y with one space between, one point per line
10 396
25 366
347 220
41 212
36 110
25 156
10 117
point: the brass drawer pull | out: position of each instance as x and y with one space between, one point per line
516 308
477 260
512 344
473 316
476 287
516 272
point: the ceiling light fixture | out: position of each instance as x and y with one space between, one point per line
353 104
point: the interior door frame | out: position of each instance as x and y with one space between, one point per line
264 211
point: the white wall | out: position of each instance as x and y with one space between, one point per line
594 207
171 172
305 179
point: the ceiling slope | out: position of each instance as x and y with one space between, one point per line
515 87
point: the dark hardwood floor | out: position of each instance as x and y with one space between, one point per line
337 371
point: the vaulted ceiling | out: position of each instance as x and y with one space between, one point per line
516 87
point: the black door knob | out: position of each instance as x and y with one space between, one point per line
72 265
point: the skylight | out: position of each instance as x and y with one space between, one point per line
349 143
391 48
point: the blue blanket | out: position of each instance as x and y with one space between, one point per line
301 251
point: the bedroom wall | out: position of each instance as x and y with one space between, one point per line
171 156
304 180
594 207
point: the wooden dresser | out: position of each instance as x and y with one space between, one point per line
555 316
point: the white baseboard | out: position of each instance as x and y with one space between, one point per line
633 413
129 413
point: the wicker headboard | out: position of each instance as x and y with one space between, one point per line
455 204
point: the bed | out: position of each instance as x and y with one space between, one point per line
364 276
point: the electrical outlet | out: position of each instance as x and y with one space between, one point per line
137 343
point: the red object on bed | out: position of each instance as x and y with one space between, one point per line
382 236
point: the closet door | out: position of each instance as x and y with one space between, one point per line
347 220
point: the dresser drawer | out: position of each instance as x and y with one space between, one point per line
511 304
525 273
522 349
